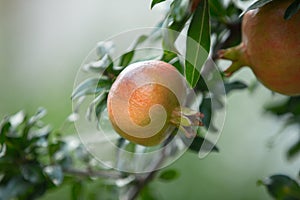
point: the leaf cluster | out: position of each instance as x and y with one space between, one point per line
34 158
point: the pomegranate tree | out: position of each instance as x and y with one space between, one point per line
270 47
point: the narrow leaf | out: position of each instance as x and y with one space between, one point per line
100 65
169 175
127 57
201 144
179 9
198 43
91 107
101 106
154 2
292 9
149 193
171 31
77 191
90 86
14 187
41 112
217 8
205 108
282 187
294 150
55 174
235 85
17 119
39 133
104 48
31 173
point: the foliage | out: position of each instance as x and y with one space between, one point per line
281 187
289 111
35 159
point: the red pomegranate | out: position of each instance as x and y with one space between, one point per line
270 47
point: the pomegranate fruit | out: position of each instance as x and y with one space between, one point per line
145 103
270 47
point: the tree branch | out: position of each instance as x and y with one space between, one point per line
141 182
92 173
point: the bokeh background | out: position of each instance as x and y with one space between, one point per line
42 45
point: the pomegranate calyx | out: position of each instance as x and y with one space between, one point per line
237 55
185 118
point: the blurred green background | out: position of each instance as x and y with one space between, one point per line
42 45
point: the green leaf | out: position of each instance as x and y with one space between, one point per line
235 85
15 187
4 128
2 150
294 150
42 132
199 29
85 88
205 108
62 151
99 66
104 48
101 106
55 174
169 175
279 109
217 8
91 108
197 143
77 191
282 187
90 86
178 65
149 193
168 56
233 12
41 112
127 57
82 154
120 142
179 9
201 85
130 147
154 2
17 119
172 28
140 40
55 147
198 43
288 106
31 172
292 9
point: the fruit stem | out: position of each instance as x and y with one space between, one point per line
237 55
185 118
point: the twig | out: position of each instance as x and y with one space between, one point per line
91 173
140 183
235 32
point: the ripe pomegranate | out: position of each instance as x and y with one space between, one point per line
145 103
270 47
